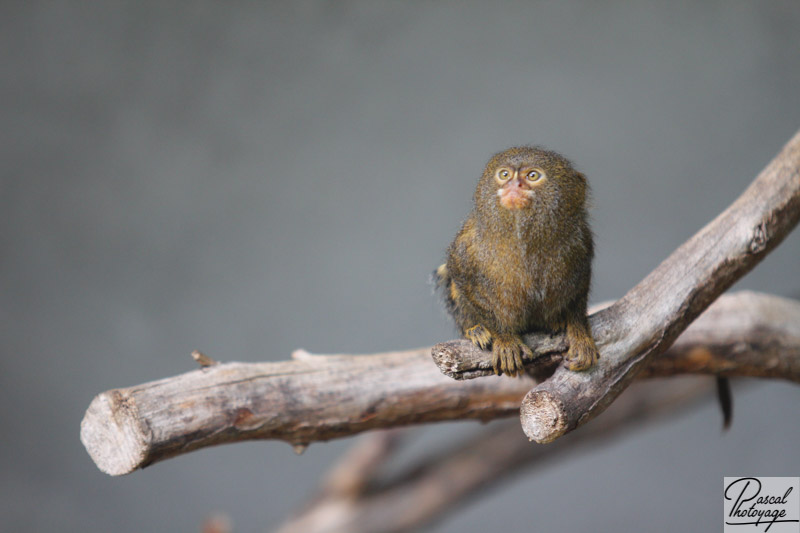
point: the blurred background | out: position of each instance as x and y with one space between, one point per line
251 178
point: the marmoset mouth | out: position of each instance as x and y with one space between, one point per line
515 197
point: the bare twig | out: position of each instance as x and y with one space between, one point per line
351 475
202 359
321 397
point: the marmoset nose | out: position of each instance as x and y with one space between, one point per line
517 182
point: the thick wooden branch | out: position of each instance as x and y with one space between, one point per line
429 489
314 397
761 333
644 323
311 398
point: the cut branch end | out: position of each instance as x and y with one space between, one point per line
113 435
542 417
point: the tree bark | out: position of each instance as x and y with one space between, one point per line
757 331
646 321
316 397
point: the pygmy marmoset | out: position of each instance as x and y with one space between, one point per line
522 259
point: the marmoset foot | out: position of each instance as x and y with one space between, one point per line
479 336
508 352
582 354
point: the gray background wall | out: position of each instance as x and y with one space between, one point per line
250 178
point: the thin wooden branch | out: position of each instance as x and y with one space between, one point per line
354 472
316 397
644 323
441 482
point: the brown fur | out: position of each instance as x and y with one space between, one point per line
512 270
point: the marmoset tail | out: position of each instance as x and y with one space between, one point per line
522 259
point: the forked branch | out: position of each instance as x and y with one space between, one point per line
632 332
322 397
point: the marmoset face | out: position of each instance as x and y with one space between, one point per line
517 184
529 179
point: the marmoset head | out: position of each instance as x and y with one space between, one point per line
526 179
